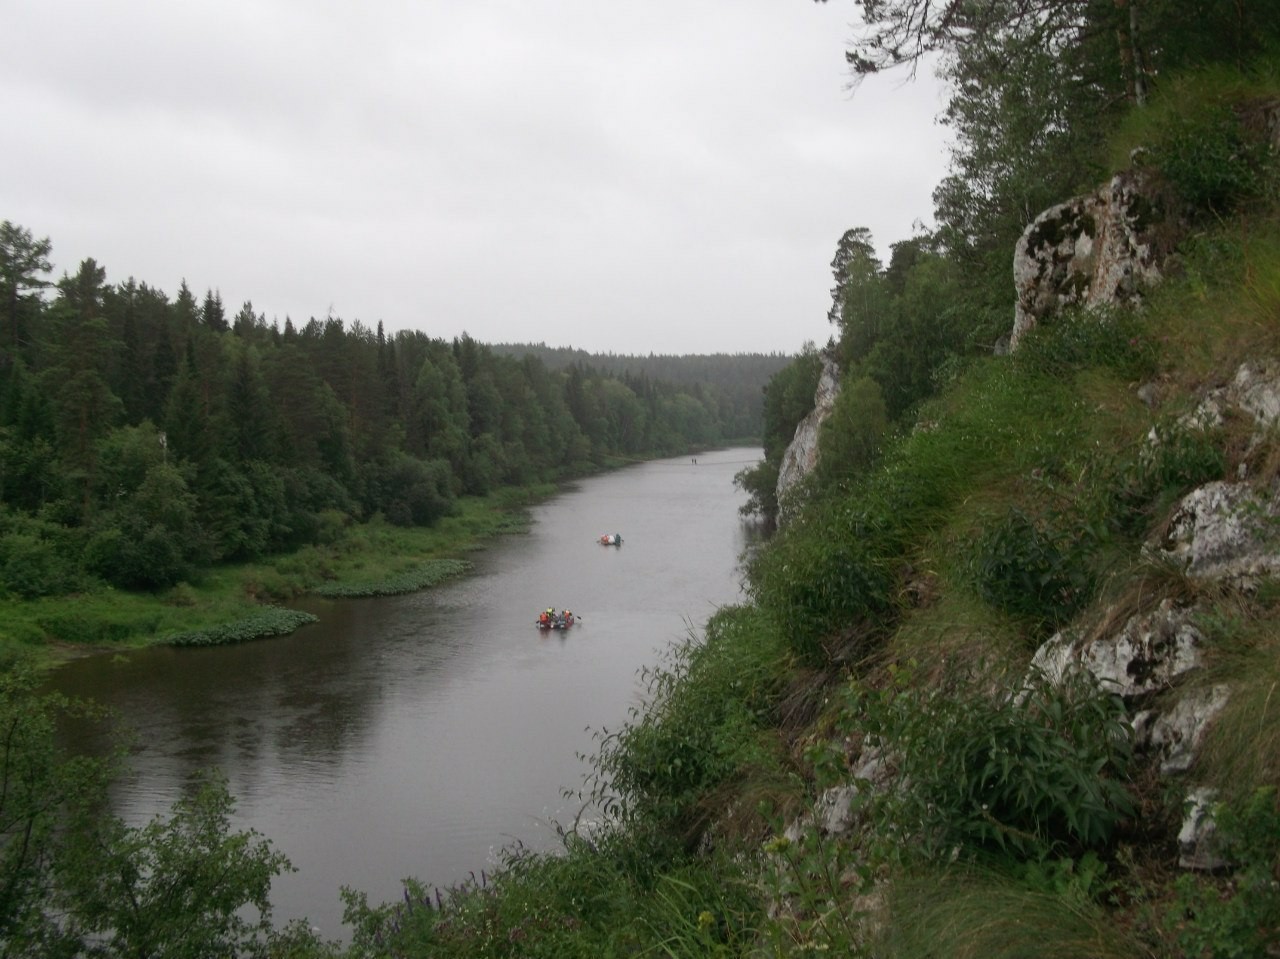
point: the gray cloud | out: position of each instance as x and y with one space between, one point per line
666 177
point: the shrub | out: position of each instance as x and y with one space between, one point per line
425 576
141 557
1035 569
1115 340
1037 773
1215 164
31 566
829 572
701 729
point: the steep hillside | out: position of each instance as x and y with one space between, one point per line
1008 679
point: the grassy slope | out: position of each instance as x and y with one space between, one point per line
881 610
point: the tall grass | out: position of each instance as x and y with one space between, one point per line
983 916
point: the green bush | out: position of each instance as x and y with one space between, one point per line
1135 491
89 629
32 566
428 575
828 572
1036 569
579 903
1036 774
701 729
1215 165
141 557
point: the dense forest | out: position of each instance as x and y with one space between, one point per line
866 757
736 378
143 436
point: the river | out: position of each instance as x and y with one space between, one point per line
416 736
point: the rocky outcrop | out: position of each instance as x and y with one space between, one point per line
1105 247
1175 733
1146 655
1253 392
1198 837
1225 532
801 455
1094 250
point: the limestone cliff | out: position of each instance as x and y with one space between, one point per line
801 455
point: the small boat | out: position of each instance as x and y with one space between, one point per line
550 619
611 539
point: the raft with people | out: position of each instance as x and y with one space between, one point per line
550 619
611 539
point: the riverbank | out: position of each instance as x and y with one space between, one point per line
238 600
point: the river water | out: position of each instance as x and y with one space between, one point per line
416 736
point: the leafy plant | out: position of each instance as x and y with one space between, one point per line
1213 162
810 877
1032 774
1034 568
1115 340
185 886
701 729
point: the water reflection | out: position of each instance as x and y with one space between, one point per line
413 736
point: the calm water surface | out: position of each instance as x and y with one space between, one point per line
418 735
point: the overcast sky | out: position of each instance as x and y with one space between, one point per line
666 176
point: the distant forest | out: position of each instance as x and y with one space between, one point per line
736 379
142 436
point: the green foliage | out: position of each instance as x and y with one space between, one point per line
42 789
1134 491
1082 880
972 913
1118 341
815 879
1211 162
788 399
1204 133
829 571
272 621
1038 569
31 566
185 887
75 880
424 577
75 624
581 901
760 483
1238 917
852 434
701 730
1034 774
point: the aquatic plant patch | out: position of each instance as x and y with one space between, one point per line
272 621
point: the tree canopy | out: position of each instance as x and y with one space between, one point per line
143 437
